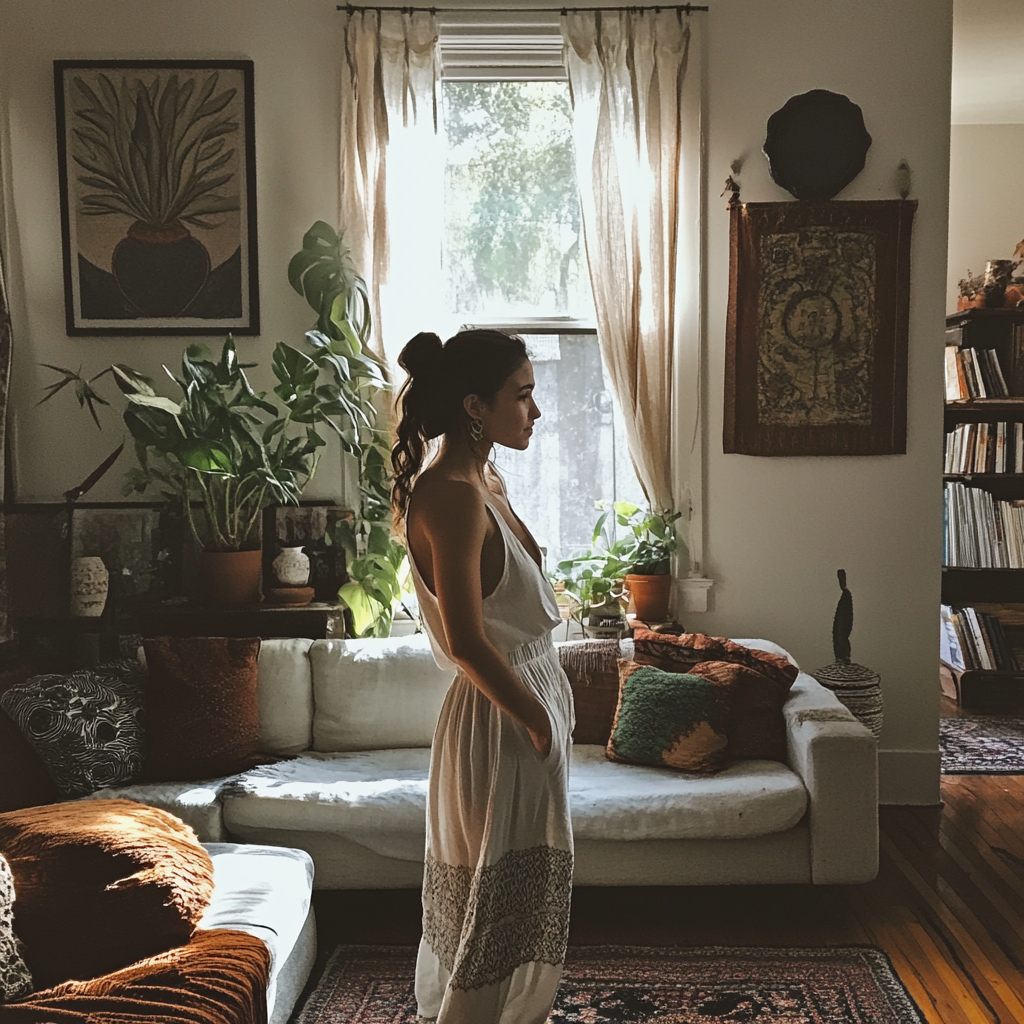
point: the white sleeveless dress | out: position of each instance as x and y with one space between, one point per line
498 872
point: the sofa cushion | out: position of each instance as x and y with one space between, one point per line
101 884
197 804
285 688
376 694
672 719
202 707
24 781
757 728
679 653
378 799
591 666
86 726
265 891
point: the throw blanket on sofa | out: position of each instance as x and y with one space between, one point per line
220 977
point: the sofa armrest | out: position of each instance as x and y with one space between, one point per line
837 759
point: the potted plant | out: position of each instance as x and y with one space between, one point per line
593 578
649 579
233 450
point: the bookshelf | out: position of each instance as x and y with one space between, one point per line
983 481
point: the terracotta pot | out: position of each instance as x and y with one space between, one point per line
230 578
650 596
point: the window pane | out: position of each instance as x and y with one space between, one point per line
578 452
512 243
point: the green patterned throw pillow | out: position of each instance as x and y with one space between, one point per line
669 718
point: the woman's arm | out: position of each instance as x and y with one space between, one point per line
453 519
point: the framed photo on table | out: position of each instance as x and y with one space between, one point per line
816 337
158 196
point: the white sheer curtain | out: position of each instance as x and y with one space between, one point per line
389 75
636 132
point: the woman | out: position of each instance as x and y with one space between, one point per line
499 846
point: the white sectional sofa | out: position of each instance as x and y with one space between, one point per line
355 719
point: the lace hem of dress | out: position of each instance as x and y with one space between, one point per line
484 924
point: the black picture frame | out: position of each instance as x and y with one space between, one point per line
157 163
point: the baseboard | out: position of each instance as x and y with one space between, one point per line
908 777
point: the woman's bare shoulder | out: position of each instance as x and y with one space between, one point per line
442 499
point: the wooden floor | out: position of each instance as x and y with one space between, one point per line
948 906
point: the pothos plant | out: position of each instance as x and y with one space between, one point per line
378 568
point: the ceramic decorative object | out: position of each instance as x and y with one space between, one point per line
90 583
857 687
291 567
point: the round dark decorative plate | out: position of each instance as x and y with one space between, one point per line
816 144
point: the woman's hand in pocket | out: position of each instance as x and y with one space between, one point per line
540 731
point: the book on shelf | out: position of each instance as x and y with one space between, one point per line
982 532
974 640
985 448
977 373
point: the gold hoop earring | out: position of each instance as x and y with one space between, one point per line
476 429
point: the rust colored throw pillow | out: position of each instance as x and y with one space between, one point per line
670 718
101 884
203 716
757 728
680 653
24 780
593 674
219 977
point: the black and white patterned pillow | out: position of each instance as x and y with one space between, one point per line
15 980
86 727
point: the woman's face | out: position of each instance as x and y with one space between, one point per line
509 419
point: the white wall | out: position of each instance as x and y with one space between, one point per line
986 175
777 529
294 46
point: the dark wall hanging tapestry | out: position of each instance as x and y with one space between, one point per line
158 196
816 345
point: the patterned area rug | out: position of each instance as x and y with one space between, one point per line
982 745
625 984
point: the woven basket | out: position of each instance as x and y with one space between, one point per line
858 688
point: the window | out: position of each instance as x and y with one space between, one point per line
511 255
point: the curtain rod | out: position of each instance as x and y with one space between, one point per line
688 8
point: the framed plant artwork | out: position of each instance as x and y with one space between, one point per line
816 336
158 196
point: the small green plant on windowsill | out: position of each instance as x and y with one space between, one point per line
594 576
653 540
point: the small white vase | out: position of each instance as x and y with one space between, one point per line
90 582
291 567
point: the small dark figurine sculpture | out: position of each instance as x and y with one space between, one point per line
856 686
842 624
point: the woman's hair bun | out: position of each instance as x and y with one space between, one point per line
422 355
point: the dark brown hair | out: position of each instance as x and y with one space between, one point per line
440 376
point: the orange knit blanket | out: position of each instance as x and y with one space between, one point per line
220 977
